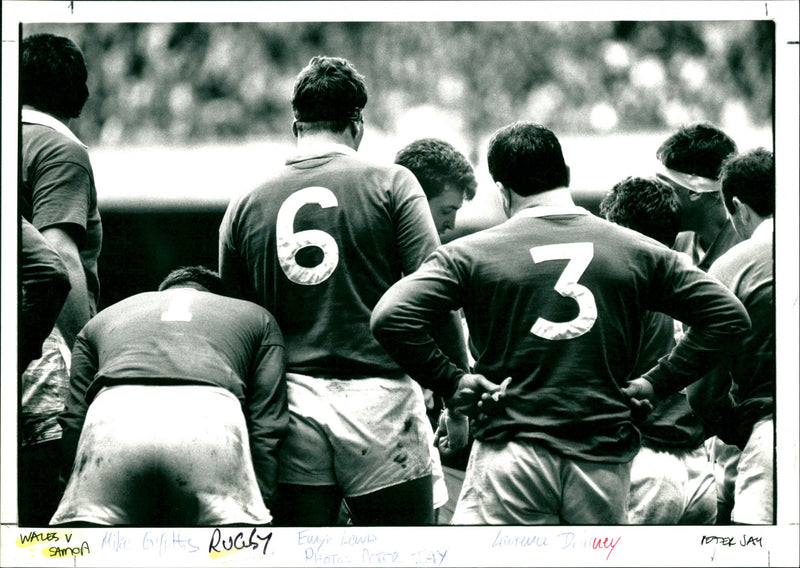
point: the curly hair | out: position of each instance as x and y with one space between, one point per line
437 165
527 158
53 75
750 177
329 93
698 149
207 278
645 205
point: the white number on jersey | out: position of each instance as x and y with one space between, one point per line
290 243
178 308
579 256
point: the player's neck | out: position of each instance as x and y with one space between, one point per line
711 228
310 140
559 197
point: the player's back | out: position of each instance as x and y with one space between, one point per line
177 336
555 299
319 244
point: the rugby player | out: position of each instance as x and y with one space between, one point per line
317 244
177 405
58 197
672 479
555 299
737 399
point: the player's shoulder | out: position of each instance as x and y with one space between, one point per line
55 145
749 253
243 309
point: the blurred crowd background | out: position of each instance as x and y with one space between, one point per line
178 83
184 116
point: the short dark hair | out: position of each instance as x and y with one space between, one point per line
53 75
698 149
437 164
527 158
328 93
207 278
645 205
750 177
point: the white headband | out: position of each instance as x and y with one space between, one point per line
697 184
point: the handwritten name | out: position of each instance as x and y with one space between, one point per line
502 540
254 541
605 544
162 543
731 541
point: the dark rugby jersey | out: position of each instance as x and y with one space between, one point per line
686 242
317 245
672 425
555 299
748 270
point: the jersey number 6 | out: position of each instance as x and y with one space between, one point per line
290 243
579 256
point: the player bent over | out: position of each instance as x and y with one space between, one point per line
177 406
554 299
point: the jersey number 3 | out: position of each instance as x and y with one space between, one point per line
579 256
290 243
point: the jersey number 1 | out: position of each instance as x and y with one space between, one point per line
579 256
290 243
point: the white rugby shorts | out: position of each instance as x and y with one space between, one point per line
363 435
153 455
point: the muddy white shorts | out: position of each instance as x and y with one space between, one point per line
672 488
363 435
521 482
753 501
163 456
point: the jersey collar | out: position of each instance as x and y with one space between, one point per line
32 116
550 211
319 149
764 230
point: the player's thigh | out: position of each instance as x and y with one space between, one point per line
753 496
657 488
306 455
306 505
725 460
701 489
595 493
409 503
380 434
510 483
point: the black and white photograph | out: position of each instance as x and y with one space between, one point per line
400 284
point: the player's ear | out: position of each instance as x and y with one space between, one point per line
739 210
294 128
356 131
505 197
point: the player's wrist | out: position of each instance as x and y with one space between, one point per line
454 415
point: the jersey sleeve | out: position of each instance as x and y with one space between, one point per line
232 267
266 409
414 228
717 323
404 319
83 370
45 285
62 191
